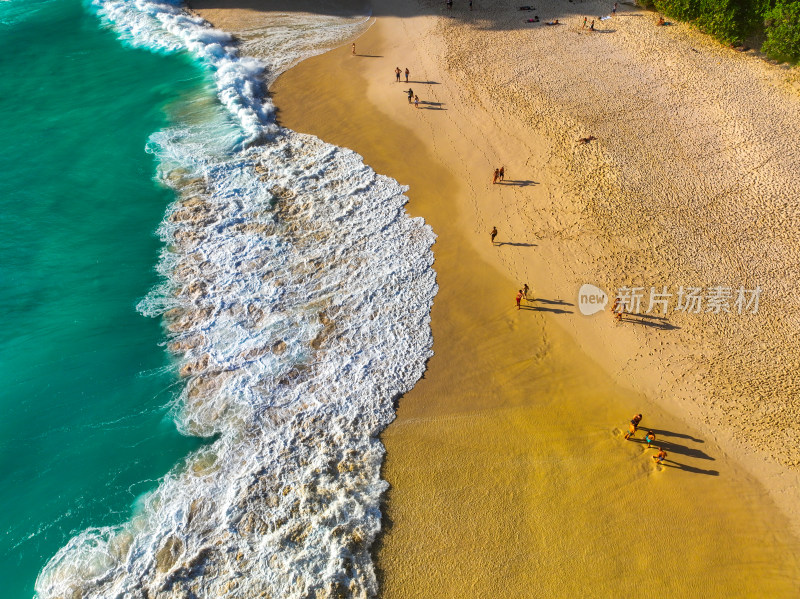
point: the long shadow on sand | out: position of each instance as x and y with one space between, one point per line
497 18
516 244
670 447
646 320
663 433
671 464
518 182
533 308
555 302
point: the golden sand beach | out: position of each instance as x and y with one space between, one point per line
509 472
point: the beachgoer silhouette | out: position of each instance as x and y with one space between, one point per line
660 21
525 290
502 173
397 74
354 49
584 23
649 437
494 234
416 101
659 457
617 310
407 74
449 3
591 27
470 4
634 424
614 10
496 175
519 298
410 95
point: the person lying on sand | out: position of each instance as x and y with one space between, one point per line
586 140
553 22
526 8
661 21
535 19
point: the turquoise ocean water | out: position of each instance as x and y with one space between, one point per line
296 288
85 383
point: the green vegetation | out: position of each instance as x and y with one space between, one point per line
782 24
733 21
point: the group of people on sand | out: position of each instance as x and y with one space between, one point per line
523 294
649 438
499 174
412 97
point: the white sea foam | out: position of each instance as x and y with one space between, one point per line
297 293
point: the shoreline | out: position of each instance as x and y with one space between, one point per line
415 407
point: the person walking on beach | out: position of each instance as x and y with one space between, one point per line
634 424
407 74
354 49
616 310
591 27
502 173
470 4
584 22
614 10
519 298
416 101
649 437
494 234
397 74
410 95
496 176
659 457
525 290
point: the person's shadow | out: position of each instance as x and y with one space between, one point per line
672 464
516 244
517 182
531 305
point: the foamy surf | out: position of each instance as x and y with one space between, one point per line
297 295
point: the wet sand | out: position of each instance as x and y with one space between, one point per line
508 468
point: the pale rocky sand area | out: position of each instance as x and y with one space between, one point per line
693 180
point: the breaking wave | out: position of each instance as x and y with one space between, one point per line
296 297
